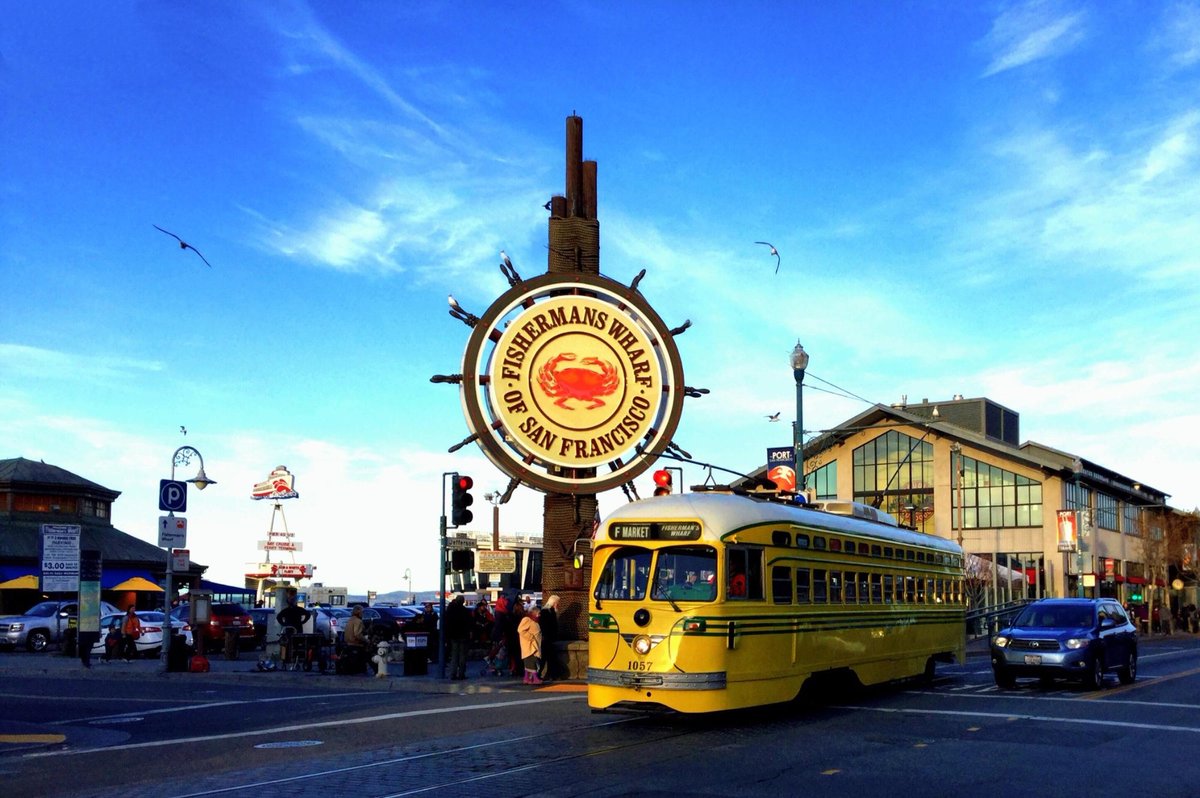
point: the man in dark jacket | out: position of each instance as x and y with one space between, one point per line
458 632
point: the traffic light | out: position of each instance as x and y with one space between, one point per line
662 482
461 499
462 559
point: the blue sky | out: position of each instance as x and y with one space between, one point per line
988 199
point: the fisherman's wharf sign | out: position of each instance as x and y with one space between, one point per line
572 384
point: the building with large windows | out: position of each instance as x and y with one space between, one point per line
957 469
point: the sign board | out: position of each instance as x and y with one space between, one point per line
60 557
172 531
289 570
172 496
1068 535
90 570
495 562
460 543
274 545
181 560
781 467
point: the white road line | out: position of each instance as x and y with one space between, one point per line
1008 716
196 705
304 726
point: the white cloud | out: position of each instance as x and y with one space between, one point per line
1030 32
1179 35
20 361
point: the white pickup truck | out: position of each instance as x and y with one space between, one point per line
43 624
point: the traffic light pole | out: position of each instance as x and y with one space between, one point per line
442 588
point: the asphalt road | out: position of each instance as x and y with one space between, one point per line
324 737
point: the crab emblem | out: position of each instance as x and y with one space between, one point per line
584 384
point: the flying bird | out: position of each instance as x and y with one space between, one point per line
774 416
774 252
184 245
183 429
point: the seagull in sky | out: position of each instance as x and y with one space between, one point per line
184 245
183 429
774 416
774 252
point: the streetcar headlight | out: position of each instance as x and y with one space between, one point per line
641 644
1001 641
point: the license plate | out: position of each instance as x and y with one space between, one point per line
235 623
1033 659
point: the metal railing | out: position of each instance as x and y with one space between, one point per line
985 621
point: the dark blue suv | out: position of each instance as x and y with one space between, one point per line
1080 639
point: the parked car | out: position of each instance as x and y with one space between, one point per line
150 642
224 616
43 624
387 623
1079 639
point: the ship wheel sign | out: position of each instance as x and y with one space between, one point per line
572 384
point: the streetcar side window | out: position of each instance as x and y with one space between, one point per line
781 584
820 586
745 573
625 575
851 587
864 595
876 588
819 543
803 596
835 587
910 589
801 541
889 589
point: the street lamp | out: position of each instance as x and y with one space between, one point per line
183 456
408 575
799 364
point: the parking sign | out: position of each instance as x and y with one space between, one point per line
172 496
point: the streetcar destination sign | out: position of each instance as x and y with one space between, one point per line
662 530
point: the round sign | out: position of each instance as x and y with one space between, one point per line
571 383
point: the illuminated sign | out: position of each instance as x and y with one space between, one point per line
662 530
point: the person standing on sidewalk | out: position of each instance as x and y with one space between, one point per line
530 634
131 630
459 625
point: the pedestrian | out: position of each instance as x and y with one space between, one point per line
131 630
482 619
530 634
112 641
354 644
292 619
459 625
548 621
1164 618
512 638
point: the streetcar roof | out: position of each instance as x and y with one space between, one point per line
721 513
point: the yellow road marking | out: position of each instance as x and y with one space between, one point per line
32 738
1125 688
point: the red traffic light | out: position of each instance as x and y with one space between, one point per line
465 483
662 478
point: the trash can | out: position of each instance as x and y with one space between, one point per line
68 645
179 654
416 654
231 644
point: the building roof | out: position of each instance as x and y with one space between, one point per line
19 472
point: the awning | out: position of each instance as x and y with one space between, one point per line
26 582
1160 583
137 583
1118 578
1135 580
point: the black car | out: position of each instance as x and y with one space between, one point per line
388 623
1080 639
262 620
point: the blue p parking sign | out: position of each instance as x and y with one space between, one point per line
172 496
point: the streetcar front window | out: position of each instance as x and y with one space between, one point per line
685 573
625 576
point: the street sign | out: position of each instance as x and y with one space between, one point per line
60 557
460 543
172 531
172 496
495 562
181 560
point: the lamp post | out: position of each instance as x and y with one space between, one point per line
799 364
956 480
182 456
408 576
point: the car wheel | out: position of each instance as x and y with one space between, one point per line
1128 673
38 640
1004 679
1094 678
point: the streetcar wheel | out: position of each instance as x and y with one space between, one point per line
1128 673
930 671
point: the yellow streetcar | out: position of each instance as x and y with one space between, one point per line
712 601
